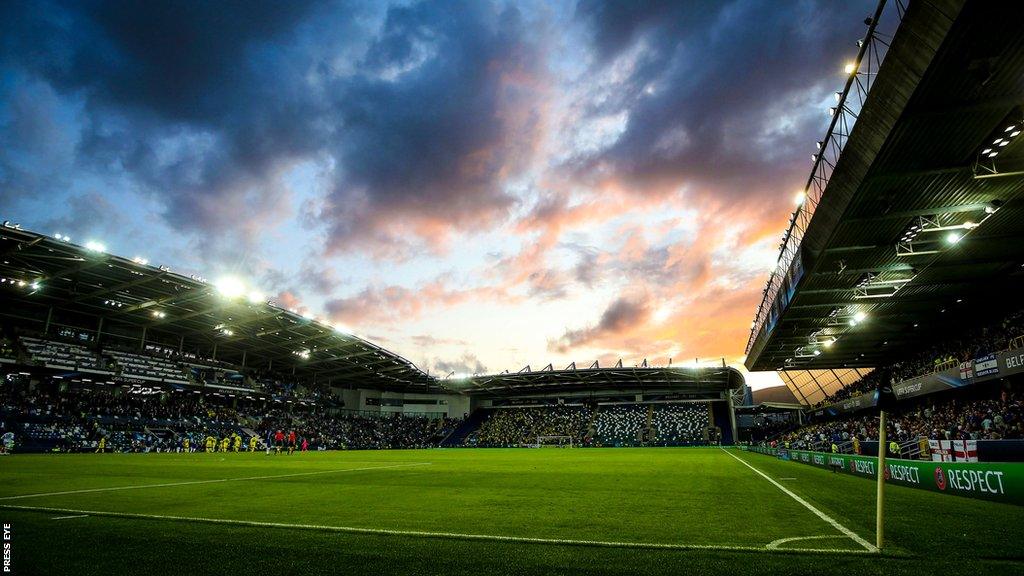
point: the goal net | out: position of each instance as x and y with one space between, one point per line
554 441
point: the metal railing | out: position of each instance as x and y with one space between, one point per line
849 103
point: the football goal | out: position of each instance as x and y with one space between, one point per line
554 442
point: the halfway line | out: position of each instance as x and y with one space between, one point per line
191 482
849 533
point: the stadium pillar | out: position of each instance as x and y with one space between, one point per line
732 416
142 340
49 317
880 473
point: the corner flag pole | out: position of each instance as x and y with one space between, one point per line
880 511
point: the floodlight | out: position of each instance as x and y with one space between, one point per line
953 238
255 297
850 68
799 198
94 246
230 287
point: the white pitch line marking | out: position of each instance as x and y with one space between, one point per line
69 517
214 481
849 533
774 544
441 535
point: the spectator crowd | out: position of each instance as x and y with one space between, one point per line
996 418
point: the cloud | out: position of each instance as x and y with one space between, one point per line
623 315
439 117
468 363
395 305
700 82
642 155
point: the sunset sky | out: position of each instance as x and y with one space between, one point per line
476 186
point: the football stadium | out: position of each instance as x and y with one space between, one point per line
154 421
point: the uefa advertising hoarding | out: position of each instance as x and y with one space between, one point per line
1000 482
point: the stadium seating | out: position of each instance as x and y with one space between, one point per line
621 425
1007 333
522 426
62 354
148 367
1000 417
674 424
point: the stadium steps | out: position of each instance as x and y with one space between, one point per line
592 424
471 424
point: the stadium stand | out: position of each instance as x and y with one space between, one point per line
1005 334
678 424
148 367
58 354
508 427
74 420
997 415
621 425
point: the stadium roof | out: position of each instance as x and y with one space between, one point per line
916 209
683 380
46 280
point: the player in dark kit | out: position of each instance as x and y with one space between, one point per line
291 442
278 441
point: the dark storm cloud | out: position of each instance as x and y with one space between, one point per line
188 99
712 88
436 120
208 105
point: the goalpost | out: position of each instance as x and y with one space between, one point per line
554 441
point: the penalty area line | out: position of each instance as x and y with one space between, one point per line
868 547
213 481
437 535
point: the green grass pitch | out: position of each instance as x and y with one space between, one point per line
481 512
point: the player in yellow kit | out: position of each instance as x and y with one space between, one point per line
102 445
253 442
224 442
210 443
236 442
185 444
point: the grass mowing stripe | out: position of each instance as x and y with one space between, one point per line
849 533
214 481
441 535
